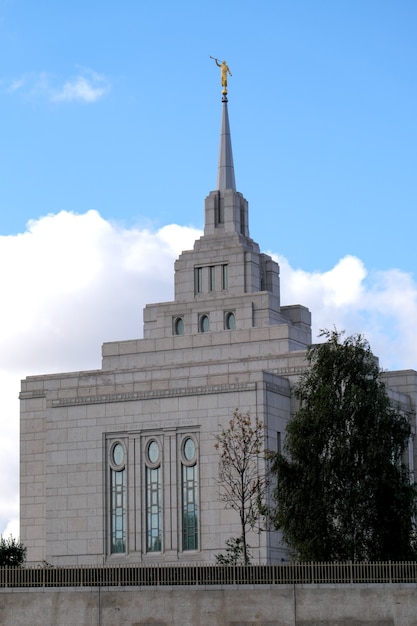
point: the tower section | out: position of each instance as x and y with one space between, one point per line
118 465
225 283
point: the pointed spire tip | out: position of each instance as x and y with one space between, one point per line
225 172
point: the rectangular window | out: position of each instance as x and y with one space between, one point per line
224 277
211 278
189 507
198 279
219 210
242 220
118 511
153 510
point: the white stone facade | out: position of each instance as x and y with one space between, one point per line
225 342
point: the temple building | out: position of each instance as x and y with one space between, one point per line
119 464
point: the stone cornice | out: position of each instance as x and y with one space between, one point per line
28 395
164 393
290 371
150 395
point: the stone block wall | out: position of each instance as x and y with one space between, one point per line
286 605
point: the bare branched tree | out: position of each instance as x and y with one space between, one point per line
242 478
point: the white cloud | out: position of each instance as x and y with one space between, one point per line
381 305
86 86
82 88
16 84
72 282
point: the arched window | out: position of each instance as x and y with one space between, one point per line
118 517
189 494
229 320
179 326
153 497
204 323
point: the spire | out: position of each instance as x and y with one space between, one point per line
225 172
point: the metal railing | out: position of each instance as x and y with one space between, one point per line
205 575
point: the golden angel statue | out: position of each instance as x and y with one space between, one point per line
224 70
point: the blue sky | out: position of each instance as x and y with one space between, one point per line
109 138
322 106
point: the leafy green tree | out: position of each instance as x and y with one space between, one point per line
12 552
241 476
342 489
234 554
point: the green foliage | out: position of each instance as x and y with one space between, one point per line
12 552
241 477
343 491
234 554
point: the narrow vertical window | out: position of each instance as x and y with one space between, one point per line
153 499
189 496
242 220
198 279
224 277
118 499
204 323
229 320
211 278
218 211
178 326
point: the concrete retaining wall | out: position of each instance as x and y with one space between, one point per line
303 605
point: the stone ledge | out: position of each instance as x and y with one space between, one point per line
149 395
29 395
